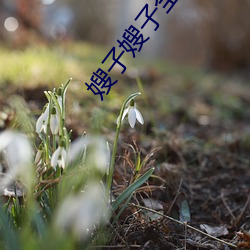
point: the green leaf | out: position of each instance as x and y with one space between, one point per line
128 191
185 212
10 236
122 209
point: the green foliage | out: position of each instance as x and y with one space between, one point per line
132 188
67 205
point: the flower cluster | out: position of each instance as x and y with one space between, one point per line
51 130
51 115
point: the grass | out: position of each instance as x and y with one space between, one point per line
180 86
37 65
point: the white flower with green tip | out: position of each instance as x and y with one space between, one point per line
54 121
59 97
59 157
39 154
133 114
16 150
42 122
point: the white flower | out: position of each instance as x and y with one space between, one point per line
79 214
17 152
133 114
59 158
59 99
42 122
98 152
39 155
54 121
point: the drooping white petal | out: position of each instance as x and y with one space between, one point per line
139 116
54 124
63 159
79 214
101 154
55 156
46 113
123 116
38 156
44 127
59 99
77 148
19 151
98 152
18 156
5 139
61 163
132 117
39 123
59 158
125 112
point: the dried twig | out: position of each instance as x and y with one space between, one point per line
239 217
177 193
184 224
227 207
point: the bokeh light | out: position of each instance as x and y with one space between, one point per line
11 24
48 2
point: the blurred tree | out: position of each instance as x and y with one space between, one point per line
211 33
29 14
93 19
229 34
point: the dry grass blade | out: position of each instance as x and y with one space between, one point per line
185 225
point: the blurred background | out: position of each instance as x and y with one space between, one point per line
198 58
213 34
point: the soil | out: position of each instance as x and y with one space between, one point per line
202 176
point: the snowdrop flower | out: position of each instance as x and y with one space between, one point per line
98 152
54 121
79 214
42 122
133 114
39 154
59 157
59 99
17 152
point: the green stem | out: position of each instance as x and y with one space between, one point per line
47 140
112 164
54 142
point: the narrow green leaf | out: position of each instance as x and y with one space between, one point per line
39 222
10 236
185 212
138 163
128 191
122 209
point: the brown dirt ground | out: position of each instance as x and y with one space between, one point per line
206 165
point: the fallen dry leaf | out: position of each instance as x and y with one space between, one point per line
215 231
245 236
